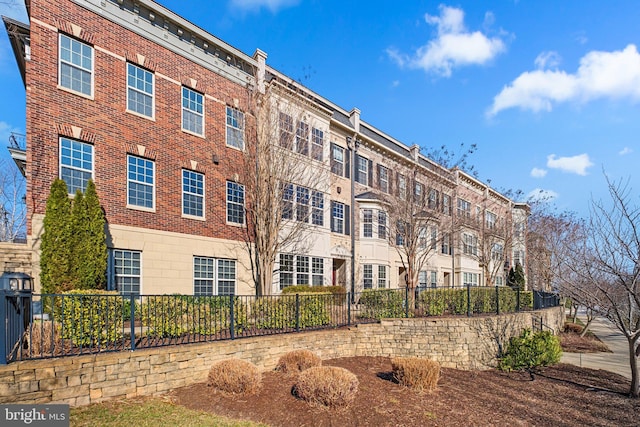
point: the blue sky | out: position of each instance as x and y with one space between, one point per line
549 91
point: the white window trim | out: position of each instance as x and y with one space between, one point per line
335 218
226 206
155 178
226 126
342 162
313 144
153 93
204 192
60 166
93 69
216 277
111 280
182 109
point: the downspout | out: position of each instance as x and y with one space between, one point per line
353 145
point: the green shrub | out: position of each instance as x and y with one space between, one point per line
91 317
381 304
307 289
531 350
279 312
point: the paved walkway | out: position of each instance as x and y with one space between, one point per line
617 362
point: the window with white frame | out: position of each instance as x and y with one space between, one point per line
367 223
497 252
339 218
317 208
446 244
140 91
192 111
469 244
204 275
464 208
235 128
235 203
226 277
383 178
76 65
302 204
192 193
76 164
402 187
286 270
317 144
382 225
499 281
140 182
286 131
434 237
367 276
422 279
518 257
317 271
126 271
418 192
362 172
302 138
401 229
434 199
337 160
434 279
519 230
287 201
446 204
382 276
491 220
470 279
422 238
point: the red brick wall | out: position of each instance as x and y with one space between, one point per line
112 130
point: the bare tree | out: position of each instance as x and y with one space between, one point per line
285 184
13 212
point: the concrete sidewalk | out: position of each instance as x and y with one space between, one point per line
617 362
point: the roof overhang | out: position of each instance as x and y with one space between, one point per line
19 34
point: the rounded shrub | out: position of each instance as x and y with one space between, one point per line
531 350
416 373
327 386
235 376
297 361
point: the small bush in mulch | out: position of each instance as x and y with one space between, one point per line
235 376
297 361
326 385
416 373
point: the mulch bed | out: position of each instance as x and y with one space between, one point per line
562 395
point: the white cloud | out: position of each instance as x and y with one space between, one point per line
395 83
539 194
538 173
625 151
453 47
613 75
255 5
546 60
576 164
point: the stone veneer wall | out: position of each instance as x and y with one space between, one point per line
462 343
15 257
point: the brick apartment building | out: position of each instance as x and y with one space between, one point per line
154 110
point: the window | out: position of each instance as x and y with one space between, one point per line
497 252
434 237
382 276
139 90
226 277
519 230
192 193
140 182
317 208
518 257
402 187
499 281
203 276
464 208
362 172
382 225
192 111
434 279
337 160
383 178
302 204
76 65
470 279
286 131
286 270
422 279
235 203
367 276
76 164
367 223
401 229
317 144
317 271
422 238
302 138
340 218
235 128
478 214
417 192
446 204
126 271
469 244
446 244
434 198
491 220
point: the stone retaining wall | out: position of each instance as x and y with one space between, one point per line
460 342
15 257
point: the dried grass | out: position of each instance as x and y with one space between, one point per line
327 385
43 338
297 361
418 374
235 376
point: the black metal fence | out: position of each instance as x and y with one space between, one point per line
48 325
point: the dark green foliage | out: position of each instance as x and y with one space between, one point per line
531 350
298 289
91 317
279 312
516 277
382 304
437 302
56 242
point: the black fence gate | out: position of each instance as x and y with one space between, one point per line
15 313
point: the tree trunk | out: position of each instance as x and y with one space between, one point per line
634 391
586 327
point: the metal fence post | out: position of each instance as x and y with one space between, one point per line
518 299
232 321
297 312
468 300
5 322
406 302
349 308
132 321
497 300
